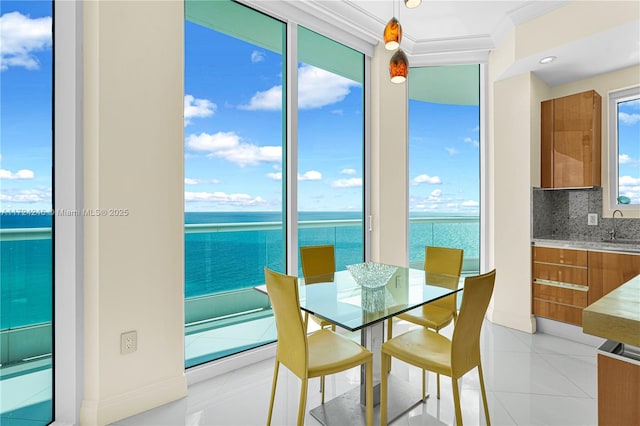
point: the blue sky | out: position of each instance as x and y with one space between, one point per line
629 150
25 108
234 130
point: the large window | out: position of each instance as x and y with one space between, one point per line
25 212
236 163
330 146
234 138
624 143
444 162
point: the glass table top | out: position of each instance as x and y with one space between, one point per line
340 299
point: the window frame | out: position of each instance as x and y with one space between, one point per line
616 97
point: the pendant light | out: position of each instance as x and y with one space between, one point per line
398 67
392 34
411 4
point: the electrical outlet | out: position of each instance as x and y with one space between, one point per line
128 342
592 219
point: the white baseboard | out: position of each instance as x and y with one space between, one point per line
567 331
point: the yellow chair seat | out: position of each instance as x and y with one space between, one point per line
430 316
423 348
330 353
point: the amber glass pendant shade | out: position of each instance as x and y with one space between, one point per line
392 34
412 3
398 67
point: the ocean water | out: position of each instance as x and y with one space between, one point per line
215 262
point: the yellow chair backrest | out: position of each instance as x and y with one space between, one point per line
318 263
465 350
448 261
293 350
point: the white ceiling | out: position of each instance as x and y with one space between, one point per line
459 31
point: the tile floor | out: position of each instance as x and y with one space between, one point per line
535 379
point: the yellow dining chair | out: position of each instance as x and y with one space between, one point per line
307 356
431 351
439 313
318 265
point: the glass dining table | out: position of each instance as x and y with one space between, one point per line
361 300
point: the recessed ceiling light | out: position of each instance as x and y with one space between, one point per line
547 59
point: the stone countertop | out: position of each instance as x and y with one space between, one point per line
616 316
625 246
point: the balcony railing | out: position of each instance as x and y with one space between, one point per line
206 311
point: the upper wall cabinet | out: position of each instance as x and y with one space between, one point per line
571 141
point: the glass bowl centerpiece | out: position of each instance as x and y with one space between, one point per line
371 274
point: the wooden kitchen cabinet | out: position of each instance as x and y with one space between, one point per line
570 146
567 280
618 392
560 283
608 271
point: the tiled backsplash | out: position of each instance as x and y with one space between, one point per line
563 212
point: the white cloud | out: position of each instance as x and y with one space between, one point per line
470 203
21 37
347 183
452 151
189 181
257 56
211 143
240 200
434 180
630 187
197 108
20 174
628 119
316 89
472 142
310 175
625 159
227 145
435 195
26 196
628 181
348 171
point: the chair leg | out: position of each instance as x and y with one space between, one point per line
303 401
484 394
369 391
424 385
322 387
384 382
389 336
273 391
438 383
456 401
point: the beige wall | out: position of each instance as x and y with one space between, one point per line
514 142
389 163
133 160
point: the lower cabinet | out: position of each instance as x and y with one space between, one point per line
567 280
608 271
618 392
560 284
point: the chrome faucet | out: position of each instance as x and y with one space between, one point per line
612 233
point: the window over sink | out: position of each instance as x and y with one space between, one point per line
624 148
